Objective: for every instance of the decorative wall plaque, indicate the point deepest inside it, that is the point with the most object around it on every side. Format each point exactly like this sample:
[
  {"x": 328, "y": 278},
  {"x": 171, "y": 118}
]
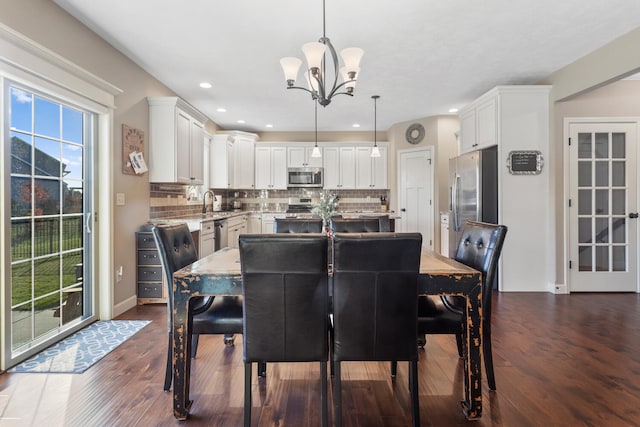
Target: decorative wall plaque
[
  {"x": 525, "y": 162},
  {"x": 414, "y": 133},
  {"x": 132, "y": 142}
]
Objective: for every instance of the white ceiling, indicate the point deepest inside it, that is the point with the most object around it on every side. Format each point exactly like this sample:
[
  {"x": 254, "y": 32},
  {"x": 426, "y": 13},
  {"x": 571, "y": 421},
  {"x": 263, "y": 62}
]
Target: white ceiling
[{"x": 421, "y": 56}]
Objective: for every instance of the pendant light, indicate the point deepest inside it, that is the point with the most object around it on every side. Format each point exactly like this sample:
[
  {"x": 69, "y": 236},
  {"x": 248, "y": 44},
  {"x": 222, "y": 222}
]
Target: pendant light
[
  {"x": 375, "y": 152},
  {"x": 316, "y": 150}
]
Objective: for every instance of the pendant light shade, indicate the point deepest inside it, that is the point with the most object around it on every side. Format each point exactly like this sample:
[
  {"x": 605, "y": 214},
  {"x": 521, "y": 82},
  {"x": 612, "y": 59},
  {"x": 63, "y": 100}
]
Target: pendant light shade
[{"x": 375, "y": 151}]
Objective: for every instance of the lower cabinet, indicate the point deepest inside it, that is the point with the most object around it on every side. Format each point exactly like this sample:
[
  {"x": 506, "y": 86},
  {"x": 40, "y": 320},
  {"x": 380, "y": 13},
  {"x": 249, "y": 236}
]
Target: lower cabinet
[{"x": 150, "y": 280}]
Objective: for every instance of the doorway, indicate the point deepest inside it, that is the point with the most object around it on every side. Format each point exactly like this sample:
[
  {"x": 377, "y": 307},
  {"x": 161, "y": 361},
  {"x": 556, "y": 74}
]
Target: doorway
[
  {"x": 415, "y": 193},
  {"x": 603, "y": 205}
]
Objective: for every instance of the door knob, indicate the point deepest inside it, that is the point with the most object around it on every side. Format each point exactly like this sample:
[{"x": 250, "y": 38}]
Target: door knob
[
  {"x": 403, "y": 210},
  {"x": 633, "y": 215}
]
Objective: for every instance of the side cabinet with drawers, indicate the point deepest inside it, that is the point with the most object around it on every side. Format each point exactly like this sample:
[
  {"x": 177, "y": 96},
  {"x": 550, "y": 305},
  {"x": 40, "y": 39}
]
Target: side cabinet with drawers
[{"x": 150, "y": 280}]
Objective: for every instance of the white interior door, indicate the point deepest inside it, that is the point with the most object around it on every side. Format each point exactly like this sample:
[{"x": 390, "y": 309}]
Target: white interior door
[
  {"x": 603, "y": 211},
  {"x": 415, "y": 178}
]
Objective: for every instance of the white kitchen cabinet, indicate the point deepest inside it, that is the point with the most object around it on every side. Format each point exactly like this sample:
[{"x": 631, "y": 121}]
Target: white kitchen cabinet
[
  {"x": 207, "y": 239},
  {"x": 254, "y": 224},
  {"x": 232, "y": 160},
  {"x": 300, "y": 157},
  {"x": 478, "y": 123},
  {"x": 339, "y": 168},
  {"x": 371, "y": 172},
  {"x": 271, "y": 168},
  {"x": 176, "y": 141},
  {"x": 236, "y": 226},
  {"x": 268, "y": 218}
]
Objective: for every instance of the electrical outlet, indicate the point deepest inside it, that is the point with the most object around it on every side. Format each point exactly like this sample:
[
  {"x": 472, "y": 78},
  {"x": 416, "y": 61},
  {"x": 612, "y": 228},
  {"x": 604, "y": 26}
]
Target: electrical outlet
[
  {"x": 119, "y": 199},
  {"x": 119, "y": 274}
]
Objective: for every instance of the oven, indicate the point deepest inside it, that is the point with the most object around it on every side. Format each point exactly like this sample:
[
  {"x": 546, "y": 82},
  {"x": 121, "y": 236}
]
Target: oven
[{"x": 305, "y": 177}]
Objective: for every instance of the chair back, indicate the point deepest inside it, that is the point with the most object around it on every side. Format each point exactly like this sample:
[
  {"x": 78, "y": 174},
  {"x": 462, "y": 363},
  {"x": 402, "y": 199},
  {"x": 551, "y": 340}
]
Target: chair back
[
  {"x": 384, "y": 222},
  {"x": 285, "y": 297},
  {"x": 361, "y": 225},
  {"x": 177, "y": 250},
  {"x": 480, "y": 247},
  {"x": 375, "y": 279},
  {"x": 297, "y": 225}
]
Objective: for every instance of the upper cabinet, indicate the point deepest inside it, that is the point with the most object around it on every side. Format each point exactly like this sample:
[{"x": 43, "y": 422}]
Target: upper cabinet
[
  {"x": 339, "y": 168},
  {"x": 271, "y": 168},
  {"x": 232, "y": 160},
  {"x": 371, "y": 172},
  {"x": 300, "y": 157},
  {"x": 176, "y": 141},
  {"x": 478, "y": 124}
]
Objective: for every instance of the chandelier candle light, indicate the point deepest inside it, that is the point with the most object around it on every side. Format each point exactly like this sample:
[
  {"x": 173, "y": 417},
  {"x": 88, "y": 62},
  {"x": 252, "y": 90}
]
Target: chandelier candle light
[{"x": 317, "y": 78}]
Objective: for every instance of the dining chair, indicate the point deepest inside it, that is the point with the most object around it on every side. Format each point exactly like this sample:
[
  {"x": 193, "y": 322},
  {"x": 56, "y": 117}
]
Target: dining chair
[
  {"x": 354, "y": 225},
  {"x": 479, "y": 247},
  {"x": 207, "y": 315},
  {"x": 285, "y": 300},
  {"x": 384, "y": 222},
  {"x": 375, "y": 285},
  {"x": 297, "y": 225}
]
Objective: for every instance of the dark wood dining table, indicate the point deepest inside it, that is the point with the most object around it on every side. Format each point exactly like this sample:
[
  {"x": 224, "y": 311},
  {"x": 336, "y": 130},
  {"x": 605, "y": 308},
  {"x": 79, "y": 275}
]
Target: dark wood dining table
[{"x": 219, "y": 274}]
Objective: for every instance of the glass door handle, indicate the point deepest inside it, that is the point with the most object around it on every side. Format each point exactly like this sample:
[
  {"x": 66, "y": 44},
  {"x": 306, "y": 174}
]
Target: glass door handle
[{"x": 633, "y": 215}]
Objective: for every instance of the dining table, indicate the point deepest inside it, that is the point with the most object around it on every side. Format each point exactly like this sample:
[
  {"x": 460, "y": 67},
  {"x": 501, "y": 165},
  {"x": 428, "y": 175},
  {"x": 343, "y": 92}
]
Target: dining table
[{"x": 219, "y": 274}]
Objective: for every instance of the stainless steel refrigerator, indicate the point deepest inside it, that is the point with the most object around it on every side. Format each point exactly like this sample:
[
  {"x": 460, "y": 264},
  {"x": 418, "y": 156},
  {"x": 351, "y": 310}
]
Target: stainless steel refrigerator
[{"x": 473, "y": 191}]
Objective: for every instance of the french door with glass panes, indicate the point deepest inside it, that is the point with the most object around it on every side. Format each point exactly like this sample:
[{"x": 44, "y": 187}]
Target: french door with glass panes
[
  {"x": 603, "y": 207},
  {"x": 49, "y": 202}
]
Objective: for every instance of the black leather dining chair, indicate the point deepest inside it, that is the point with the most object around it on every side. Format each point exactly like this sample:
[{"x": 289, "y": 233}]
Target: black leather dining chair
[
  {"x": 479, "y": 247},
  {"x": 297, "y": 225},
  {"x": 207, "y": 315},
  {"x": 354, "y": 225},
  {"x": 285, "y": 298},
  {"x": 375, "y": 285},
  {"x": 384, "y": 222}
]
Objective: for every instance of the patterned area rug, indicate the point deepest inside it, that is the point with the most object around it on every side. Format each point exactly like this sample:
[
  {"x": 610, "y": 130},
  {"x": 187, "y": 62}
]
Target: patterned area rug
[{"x": 78, "y": 352}]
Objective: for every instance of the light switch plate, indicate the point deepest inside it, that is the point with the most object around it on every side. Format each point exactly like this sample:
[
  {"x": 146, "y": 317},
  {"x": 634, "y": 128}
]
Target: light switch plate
[{"x": 119, "y": 199}]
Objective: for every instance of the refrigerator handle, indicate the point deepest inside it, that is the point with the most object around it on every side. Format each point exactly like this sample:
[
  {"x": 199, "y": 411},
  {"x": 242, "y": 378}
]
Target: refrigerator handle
[{"x": 454, "y": 202}]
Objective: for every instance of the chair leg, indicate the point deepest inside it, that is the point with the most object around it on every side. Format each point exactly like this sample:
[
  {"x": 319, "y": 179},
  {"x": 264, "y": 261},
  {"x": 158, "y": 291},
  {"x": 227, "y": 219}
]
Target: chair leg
[
  {"x": 459, "y": 343},
  {"x": 422, "y": 340},
  {"x": 229, "y": 340},
  {"x": 394, "y": 368},
  {"x": 415, "y": 399},
  {"x": 262, "y": 369},
  {"x": 247, "y": 394},
  {"x": 488, "y": 358},
  {"x": 168, "y": 374},
  {"x": 324, "y": 411},
  {"x": 194, "y": 345},
  {"x": 337, "y": 394}
]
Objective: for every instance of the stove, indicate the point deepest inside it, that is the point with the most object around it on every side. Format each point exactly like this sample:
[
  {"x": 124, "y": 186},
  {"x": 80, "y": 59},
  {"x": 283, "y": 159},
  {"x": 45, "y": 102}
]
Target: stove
[{"x": 299, "y": 205}]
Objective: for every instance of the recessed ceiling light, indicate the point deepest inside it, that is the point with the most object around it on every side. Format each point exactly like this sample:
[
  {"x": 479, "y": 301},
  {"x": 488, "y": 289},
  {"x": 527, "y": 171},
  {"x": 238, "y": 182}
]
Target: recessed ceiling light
[
  {"x": 356, "y": 125},
  {"x": 453, "y": 110},
  {"x": 269, "y": 125},
  {"x": 221, "y": 110},
  {"x": 241, "y": 121},
  {"x": 205, "y": 85}
]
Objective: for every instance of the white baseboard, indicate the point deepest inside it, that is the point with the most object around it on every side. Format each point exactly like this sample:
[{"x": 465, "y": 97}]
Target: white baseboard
[{"x": 125, "y": 305}]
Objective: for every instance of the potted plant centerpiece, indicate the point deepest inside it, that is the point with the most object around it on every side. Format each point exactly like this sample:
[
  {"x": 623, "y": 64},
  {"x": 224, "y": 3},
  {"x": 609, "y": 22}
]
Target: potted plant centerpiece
[{"x": 325, "y": 207}]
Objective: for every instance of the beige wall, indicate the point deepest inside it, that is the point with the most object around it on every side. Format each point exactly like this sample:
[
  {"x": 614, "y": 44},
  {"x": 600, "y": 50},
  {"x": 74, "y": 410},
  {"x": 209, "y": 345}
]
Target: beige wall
[
  {"x": 45, "y": 23},
  {"x": 613, "y": 61}
]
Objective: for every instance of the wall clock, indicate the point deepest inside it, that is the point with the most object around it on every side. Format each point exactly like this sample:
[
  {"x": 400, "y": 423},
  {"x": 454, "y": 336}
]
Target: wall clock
[{"x": 414, "y": 133}]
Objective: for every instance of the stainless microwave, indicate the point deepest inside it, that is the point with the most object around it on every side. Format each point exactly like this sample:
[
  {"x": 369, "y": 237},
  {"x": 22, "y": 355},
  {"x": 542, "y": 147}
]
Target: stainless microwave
[{"x": 305, "y": 177}]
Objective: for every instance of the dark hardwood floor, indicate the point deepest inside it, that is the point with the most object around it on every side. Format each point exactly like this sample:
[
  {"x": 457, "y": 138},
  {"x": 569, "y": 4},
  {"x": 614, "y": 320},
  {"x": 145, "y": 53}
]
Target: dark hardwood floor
[{"x": 567, "y": 360}]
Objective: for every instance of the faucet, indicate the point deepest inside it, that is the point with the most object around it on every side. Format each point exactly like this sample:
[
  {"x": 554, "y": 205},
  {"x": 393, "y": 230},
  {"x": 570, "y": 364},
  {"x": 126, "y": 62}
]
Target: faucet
[{"x": 204, "y": 201}]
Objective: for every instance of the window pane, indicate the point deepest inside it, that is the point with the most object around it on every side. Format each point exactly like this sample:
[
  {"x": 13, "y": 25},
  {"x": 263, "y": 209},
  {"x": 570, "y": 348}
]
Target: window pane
[
  {"x": 618, "y": 230},
  {"x": 584, "y": 174},
  {"x": 584, "y": 145},
  {"x": 47, "y": 197},
  {"x": 602, "y": 230},
  {"x": 20, "y": 196},
  {"x": 618, "y": 149},
  {"x": 619, "y": 258},
  {"x": 584, "y": 258},
  {"x": 46, "y": 275},
  {"x": 602, "y": 174},
  {"x": 584, "y": 230},
  {"x": 20, "y": 283},
  {"x": 71, "y": 161},
  {"x": 46, "y": 236},
  {"x": 618, "y": 204},
  {"x": 44, "y": 320},
  {"x": 20, "y": 239},
  {"x": 47, "y": 121},
  {"x": 602, "y": 258},
  {"x": 584, "y": 202},
  {"x": 21, "y": 318},
  {"x": 71, "y": 233},
  {"x": 618, "y": 174},
  {"x": 71, "y": 125},
  {"x": 21, "y": 153},
  {"x": 602, "y": 146},
  {"x": 47, "y": 157},
  {"x": 71, "y": 269},
  {"x": 21, "y": 103},
  {"x": 602, "y": 202},
  {"x": 72, "y": 202}
]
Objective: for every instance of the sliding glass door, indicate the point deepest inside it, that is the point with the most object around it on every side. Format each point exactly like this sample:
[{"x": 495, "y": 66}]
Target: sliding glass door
[{"x": 50, "y": 205}]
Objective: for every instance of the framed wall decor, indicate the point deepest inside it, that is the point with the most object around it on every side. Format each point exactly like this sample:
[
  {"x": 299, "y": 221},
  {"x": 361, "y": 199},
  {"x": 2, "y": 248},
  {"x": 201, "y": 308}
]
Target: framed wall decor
[
  {"x": 525, "y": 162},
  {"x": 132, "y": 142}
]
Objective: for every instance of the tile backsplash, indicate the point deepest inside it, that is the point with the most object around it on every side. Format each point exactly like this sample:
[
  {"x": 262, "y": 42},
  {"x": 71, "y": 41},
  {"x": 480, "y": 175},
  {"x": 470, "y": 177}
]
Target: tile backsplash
[{"x": 181, "y": 201}]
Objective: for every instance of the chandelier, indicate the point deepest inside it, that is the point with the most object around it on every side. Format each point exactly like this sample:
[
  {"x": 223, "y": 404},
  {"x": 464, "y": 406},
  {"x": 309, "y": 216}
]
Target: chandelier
[{"x": 323, "y": 86}]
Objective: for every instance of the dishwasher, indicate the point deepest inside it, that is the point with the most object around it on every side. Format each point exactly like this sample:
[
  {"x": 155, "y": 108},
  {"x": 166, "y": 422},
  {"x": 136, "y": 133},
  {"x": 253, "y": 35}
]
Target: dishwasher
[{"x": 222, "y": 238}]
